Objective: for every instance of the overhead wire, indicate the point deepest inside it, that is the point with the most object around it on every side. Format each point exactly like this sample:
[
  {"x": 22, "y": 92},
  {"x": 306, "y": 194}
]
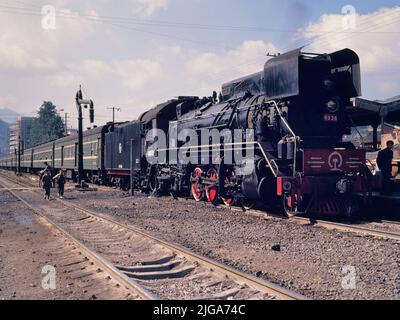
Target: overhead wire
[{"x": 125, "y": 23}]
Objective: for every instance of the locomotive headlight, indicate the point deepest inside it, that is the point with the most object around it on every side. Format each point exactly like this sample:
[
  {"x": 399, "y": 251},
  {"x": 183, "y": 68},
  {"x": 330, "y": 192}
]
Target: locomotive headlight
[{"x": 333, "y": 105}]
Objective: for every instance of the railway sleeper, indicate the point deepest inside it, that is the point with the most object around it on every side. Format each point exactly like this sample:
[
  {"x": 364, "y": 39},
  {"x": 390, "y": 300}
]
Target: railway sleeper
[
  {"x": 151, "y": 268},
  {"x": 77, "y": 267},
  {"x": 224, "y": 295},
  {"x": 161, "y": 275},
  {"x": 159, "y": 261},
  {"x": 82, "y": 274},
  {"x": 69, "y": 263}
]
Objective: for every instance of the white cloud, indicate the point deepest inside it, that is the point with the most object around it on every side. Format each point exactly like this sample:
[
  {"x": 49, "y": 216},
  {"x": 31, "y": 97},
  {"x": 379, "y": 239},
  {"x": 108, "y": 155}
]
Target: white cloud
[
  {"x": 375, "y": 39},
  {"x": 246, "y": 59},
  {"x": 7, "y": 100},
  {"x": 148, "y": 8},
  {"x": 93, "y": 68},
  {"x": 25, "y": 45},
  {"x": 137, "y": 73},
  {"x": 133, "y": 74},
  {"x": 138, "y": 84},
  {"x": 63, "y": 79}
]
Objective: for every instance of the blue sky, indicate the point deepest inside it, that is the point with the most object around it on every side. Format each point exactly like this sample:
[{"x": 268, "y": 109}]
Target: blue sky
[{"x": 136, "y": 53}]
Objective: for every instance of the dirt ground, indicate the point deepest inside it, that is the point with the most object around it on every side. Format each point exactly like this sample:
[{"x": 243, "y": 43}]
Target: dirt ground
[{"x": 27, "y": 245}]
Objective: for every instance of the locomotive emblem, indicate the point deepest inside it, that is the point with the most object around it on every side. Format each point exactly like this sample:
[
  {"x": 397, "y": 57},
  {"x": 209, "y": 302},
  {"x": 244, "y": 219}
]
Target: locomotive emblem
[{"x": 335, "y": 161}]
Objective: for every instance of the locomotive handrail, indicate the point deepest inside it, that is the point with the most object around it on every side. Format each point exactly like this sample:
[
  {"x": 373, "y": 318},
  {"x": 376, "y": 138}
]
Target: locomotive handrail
[{"x": 295, "y": 137}]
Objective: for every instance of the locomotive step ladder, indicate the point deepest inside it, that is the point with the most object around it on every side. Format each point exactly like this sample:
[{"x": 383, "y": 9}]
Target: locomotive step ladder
[{"x": 146, "y": 181}]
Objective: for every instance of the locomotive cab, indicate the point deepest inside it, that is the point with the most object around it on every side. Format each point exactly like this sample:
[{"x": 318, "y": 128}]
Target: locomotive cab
[{"x": 317, "y": 88}]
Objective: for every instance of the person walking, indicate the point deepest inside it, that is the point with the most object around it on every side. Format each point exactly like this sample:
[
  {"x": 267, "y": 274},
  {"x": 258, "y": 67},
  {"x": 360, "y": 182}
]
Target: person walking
[
  {"x": 47, "y": 168},
  {"x": 60, "y": 179},
  {"x": 47, "y": 184},
  {"x": 384, "y": 161}
]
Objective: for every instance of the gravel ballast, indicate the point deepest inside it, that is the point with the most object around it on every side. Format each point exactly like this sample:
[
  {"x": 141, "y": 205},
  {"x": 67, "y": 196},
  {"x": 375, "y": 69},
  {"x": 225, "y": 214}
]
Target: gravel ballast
[{"x": 310, "y": 260}]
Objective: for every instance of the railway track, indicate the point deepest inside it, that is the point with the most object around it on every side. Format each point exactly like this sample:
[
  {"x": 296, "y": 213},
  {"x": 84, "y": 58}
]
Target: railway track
[
  {"x": 153, "y": 267},
  {"x": 83, "y": 260},
  {"x": 359, "y": 227}
]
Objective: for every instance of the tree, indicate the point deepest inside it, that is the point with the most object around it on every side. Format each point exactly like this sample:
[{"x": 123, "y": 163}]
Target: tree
[{"x": 48, "y": 126}]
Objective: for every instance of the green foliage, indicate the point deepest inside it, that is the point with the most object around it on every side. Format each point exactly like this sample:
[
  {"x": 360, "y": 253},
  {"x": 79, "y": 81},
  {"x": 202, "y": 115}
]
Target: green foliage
[{"x": 48, "y": 126}]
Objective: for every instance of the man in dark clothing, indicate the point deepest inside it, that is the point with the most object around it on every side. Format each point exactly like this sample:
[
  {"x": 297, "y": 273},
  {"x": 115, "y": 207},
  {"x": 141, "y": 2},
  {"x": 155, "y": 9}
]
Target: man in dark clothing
[
  {"x": 47, "y": 184},
  {"x": 47, "y": 168},
  {"x": 60, "y": 178},
  {"x": 384, "y": 161}
]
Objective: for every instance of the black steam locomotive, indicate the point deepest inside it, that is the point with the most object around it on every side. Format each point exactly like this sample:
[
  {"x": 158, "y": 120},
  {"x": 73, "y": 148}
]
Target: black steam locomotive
[{"x": 274, "y": 136}]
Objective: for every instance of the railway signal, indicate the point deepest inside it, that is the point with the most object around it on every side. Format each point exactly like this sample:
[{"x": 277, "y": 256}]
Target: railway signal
[
  {"x": 80, "y": 102},
  {"x": 113, "y": 110}
]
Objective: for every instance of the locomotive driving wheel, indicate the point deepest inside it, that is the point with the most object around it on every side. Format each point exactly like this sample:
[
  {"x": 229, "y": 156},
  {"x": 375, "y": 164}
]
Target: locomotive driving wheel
[
  {"x": 227, "y": 176},
  {"x": 291, "y": 205},
  {"x": 197, "y": 186},
  {"x": 247, "y": 204},
  {"x": 212, "y": 189}
]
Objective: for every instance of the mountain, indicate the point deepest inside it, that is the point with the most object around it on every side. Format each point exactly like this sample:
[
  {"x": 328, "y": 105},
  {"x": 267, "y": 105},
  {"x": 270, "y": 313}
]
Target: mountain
[
  {"x": 8, "y": 115},
  {"x": 4, "y": 137}
]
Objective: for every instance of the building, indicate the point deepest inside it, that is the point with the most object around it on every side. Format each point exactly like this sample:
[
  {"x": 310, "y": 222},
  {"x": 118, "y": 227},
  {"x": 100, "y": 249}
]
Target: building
[
  {"x": 4, "y": 137},
  {"x": 376, "y": 115},
  {"x": 20, "y": 130}
]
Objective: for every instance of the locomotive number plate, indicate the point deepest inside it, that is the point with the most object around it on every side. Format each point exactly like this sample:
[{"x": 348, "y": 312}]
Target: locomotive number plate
[{"x": 330, "y": 118}]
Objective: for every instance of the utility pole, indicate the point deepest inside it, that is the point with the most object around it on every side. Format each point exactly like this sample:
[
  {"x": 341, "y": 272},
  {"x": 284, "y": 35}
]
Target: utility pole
[
  {"x": 65, "y": 122},
  {"x": 79, "y": 103},
  {"x": 19, "y": 156},
  {"x": 132, "y": 165},
  {"x": 114, "y": 109},
  {"x": 15, "y": 164}
]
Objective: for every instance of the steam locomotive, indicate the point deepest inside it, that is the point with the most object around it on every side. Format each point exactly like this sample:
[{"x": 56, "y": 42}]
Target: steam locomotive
[{"x": 284, "y": 125}]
